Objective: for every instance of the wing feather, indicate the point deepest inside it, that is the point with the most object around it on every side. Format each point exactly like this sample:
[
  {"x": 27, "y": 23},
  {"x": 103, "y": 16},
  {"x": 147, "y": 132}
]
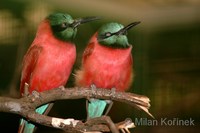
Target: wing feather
[
  {"x": 88, "y": 51},
  {"x": 28, "y": 66}
]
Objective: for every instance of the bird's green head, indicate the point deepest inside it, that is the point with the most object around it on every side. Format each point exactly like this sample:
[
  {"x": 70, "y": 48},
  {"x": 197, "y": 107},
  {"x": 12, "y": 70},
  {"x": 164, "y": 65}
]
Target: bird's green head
[
  {"x": 114, "y": 35},
  {"x": 64, "y": 27}
]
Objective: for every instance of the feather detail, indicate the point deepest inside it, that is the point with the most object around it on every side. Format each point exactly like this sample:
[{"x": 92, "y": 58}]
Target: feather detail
[
  {"x": 26, "y": 127},
  {"x": 96, "y": 108}
]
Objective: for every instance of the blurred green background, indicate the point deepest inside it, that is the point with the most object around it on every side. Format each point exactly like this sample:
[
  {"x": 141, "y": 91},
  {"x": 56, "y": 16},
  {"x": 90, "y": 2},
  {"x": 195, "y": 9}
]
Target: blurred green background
[{"x": 166, "y": 52}]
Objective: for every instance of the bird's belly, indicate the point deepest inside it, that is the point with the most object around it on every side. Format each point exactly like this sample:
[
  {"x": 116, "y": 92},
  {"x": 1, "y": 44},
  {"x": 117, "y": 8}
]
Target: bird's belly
[
  {"x": 51, "y": 72},
  {"x": 109, "y": 77},
  {"x": 110, "y": 80}
]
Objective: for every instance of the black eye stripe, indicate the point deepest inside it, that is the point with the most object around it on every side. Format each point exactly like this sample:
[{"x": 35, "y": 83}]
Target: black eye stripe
[{"x": 60, "y": 27}]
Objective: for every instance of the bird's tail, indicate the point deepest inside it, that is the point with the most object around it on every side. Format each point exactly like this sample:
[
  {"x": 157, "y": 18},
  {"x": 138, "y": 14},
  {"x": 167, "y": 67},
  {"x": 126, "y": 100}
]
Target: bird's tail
[
  {"x": 27, "y": 127},
  {"x": 96, "y": 108}
]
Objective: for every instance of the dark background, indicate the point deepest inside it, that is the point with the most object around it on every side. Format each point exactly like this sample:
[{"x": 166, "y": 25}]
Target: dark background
[{"x": 166, "y": 52}]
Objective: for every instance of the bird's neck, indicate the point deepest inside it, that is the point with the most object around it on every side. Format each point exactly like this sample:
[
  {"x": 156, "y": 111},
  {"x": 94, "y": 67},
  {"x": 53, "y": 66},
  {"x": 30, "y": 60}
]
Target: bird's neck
[
  {"x": 108, "y": 54},
  {"x": 110, "y": 50},
  {"x": 44, "y": 30},
  {"x": 45, "y": 35}
]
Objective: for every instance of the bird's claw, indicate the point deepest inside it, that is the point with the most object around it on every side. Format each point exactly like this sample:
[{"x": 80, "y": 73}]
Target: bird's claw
[
  {"x": 113, "y": 91},
  {"x": 62, "y": 87},
  {"x": 26, "y": 91},
  {"x": 36, "y": 94},
  {"x": 93, "y": 88}
]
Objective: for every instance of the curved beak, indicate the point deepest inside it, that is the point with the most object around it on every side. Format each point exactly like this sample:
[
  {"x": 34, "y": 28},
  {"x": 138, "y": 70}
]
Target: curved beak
[
  {"x": 126, "y": 28},
  {"x": 80, "y": 21}
]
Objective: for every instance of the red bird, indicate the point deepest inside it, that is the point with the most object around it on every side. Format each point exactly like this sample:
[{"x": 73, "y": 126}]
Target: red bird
[
  {"x": 50, "y": 58},
  {"x": 106, "y": 63}
]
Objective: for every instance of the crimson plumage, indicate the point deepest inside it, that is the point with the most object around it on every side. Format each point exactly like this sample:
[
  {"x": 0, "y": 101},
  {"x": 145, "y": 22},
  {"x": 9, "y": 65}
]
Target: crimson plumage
[
  {"x": 48, "y": 62},
  {"x": 106, "y": 63},
  {"x": 105, "y": 67}
]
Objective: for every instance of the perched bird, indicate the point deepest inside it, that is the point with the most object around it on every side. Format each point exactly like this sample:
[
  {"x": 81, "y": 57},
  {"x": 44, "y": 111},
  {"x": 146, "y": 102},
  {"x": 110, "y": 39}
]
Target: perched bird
[
  {"x": 50, "y": 58},
  {"x": 106, "y": 63}
]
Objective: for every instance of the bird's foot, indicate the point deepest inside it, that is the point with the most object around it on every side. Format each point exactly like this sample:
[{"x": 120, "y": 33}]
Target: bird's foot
[
  {"x": 36, "y": 94},
  {"x": 93, "y": 88},
  {"x": 62, "y": 87},
  {"x": 26, "y": 92},
  {"x": 113, "y": 91}
]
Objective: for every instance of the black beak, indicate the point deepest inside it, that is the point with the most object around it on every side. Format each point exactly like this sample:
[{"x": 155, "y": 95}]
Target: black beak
[
  {"x": 80, "y": 21},
  {"x": 126, "y": 28}
]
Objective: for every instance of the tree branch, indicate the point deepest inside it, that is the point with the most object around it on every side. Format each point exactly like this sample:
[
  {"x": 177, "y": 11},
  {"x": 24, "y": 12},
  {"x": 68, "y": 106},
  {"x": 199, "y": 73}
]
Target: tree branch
[{"x": 26, "y": 106}]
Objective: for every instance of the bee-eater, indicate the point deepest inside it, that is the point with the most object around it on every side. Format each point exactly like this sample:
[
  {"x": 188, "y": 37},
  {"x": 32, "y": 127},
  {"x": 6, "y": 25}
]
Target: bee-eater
[
  {"x": 106, "y": 63},
  {"x": 50, "y": 58}
]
